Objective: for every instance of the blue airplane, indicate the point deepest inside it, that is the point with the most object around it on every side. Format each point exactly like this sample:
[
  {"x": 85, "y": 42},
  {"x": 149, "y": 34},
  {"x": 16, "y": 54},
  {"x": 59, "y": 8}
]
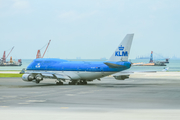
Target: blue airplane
[{"x": 80, "y": 72}]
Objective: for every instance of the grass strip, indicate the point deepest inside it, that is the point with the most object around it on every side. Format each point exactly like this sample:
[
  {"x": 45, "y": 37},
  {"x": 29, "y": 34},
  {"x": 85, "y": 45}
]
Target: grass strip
[{"x": 10, "y": 75}]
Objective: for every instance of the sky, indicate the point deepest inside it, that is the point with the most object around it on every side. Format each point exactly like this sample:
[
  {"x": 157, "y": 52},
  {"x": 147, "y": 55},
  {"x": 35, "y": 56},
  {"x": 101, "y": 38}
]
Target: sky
[{"x": 90, "y": 29}]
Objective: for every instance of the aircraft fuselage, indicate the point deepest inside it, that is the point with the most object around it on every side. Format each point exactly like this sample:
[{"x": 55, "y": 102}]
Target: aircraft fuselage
[{"x": 77, "y": 69}]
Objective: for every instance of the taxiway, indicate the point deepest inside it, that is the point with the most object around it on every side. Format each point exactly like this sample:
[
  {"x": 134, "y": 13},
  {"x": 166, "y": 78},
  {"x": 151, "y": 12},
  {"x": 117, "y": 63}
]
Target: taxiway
[{"x": 143, "y": 92}]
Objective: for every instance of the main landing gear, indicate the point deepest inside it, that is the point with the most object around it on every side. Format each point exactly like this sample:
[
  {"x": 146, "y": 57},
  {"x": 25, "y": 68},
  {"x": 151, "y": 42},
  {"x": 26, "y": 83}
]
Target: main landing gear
[
  {"x": 74, "y": 82},
  {"x": 37, "y": 81},
  {"x": 59, "y": 83},
  {"x": 82, "y": 82}
]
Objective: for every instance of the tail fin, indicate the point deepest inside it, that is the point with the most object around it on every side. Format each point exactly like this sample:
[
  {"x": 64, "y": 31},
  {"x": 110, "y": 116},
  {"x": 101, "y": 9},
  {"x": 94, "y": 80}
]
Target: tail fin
[{"x": 123, "y": 50}]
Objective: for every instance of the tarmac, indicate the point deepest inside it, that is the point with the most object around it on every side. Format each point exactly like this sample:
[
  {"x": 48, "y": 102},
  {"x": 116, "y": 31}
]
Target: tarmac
[{"x": 143, "y": 96}]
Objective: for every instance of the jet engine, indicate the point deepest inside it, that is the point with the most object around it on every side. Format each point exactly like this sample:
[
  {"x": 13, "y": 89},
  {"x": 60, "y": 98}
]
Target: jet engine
[
  {"x": 39, "y": 77},
  {"x": 121, "y": 77},
  {"x": 28, "y": 77}
]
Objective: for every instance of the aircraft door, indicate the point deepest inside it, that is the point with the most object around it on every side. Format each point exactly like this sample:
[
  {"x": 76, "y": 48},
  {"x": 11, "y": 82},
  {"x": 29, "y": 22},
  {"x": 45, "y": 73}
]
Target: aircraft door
[
  {"x": 102, "y": 70},
  {"x": 78, "y": 69},
  {"x": 62, "y": 69}
]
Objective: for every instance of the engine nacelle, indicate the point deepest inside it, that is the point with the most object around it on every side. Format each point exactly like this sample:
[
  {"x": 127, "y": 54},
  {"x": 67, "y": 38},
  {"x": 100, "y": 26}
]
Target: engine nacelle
[
  {"x": 27, "y": 77},
  {"x": 39, "y": 78},
  {"x": 122, "y": 77}
]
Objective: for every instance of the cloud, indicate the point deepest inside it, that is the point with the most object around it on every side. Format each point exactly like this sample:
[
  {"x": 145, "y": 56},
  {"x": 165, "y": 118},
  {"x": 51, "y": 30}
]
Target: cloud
[
  {"x": 161, "y": 5},
  {"x": 20, "y": 4},
  {"x": 73, "y": 15},
  {"x": 10, "y": 8}
]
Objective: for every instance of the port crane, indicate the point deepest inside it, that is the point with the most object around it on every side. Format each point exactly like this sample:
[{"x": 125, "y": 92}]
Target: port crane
[
  {"x": 39, "y": 53},
  {"x": 4, "y": 55}
]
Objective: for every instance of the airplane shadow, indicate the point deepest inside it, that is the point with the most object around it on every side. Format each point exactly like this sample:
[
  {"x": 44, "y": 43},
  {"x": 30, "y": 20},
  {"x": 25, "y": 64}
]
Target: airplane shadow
[
  {"x": 38, "y": 85},
  {"x": 88, "y": 85}
]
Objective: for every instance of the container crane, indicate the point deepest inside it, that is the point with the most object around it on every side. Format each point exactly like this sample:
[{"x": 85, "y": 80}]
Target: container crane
[{"x": 39, "y": 53}]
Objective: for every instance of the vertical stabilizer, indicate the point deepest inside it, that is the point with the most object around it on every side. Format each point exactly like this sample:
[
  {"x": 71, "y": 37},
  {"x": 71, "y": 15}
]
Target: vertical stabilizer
[{"x": 123, "y": 50}]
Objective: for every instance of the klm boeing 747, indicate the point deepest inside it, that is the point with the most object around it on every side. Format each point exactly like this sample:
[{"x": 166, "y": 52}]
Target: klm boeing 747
[{"x": 80, "y": 72}]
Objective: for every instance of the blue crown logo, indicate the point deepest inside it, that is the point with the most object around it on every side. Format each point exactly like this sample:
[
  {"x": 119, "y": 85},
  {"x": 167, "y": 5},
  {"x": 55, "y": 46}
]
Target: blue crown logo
[{"x": 121, "y": 48}]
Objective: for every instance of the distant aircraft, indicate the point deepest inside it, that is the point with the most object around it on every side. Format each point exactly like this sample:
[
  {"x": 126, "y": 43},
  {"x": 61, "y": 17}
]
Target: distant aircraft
[
  {"x": 165, "y": 69},
  {"x": 79, "y": 72}
]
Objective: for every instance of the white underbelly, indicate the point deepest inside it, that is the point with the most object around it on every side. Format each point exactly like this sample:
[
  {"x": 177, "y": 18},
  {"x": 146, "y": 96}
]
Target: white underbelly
[
  {"x": 77, "y": 75},
  {"x": 93, "y": 75}
]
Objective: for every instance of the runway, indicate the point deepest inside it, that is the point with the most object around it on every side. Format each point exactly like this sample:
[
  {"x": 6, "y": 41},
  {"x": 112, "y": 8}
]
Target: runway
[{"x": 158, "y": 93}]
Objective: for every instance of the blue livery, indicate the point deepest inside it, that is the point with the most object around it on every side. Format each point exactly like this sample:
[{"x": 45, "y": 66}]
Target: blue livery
[
  {"x": 80, "y": 72},
  {"x": 53, "y": 64}
]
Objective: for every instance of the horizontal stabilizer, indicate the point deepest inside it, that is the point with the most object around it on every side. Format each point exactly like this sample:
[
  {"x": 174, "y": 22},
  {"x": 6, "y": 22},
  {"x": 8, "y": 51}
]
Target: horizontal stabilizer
[
  {"x": 112, "y": 65},
  {"x": 121, "y": 77}
]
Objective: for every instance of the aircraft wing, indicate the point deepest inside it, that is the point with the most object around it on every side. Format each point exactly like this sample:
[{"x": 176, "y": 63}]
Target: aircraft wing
[
  {"x": 61, "y": 76},
  {"x": 53, "y": 75}
]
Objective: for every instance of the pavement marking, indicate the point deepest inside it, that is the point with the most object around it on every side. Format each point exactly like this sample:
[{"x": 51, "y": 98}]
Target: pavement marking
[
  {"x": 23, "y": 103},
  {"x": 64, "y": 107},
  {"x": 4, "y": 106},
  {"x": 35, "y": 92},
  {"x": 85, "y": 92},
  {"x": 9, "y": 72},
  {"x": 9, "y": 96},
  {"x": 70, "y": 94},
  {"x": 36, "y": 101}
]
